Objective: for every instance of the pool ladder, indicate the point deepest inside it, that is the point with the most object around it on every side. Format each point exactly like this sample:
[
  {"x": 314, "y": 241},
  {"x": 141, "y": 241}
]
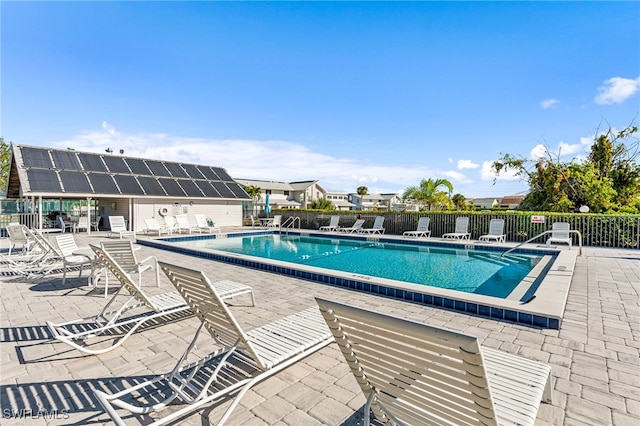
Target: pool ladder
[
  {"x": 572, "y": 231},
  {"x": 290, "y": 222}
]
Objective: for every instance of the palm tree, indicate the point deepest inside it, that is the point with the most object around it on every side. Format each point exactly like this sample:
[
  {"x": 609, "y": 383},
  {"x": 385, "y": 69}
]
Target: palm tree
[
  {"x": 362, "y": 190},
  {"x": 459, "y": 201},
  {"x": 429, "y": 194},
  {"x": 255, "y": 193}
]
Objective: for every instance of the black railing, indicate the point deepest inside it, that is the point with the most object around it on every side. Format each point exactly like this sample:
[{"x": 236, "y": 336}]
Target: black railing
[{"x": 616, "y": 231}]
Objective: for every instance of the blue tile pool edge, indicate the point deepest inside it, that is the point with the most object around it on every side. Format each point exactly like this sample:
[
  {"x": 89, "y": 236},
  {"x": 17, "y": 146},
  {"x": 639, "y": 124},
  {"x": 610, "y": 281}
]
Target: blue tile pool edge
[{"x": 473, "y": 308}]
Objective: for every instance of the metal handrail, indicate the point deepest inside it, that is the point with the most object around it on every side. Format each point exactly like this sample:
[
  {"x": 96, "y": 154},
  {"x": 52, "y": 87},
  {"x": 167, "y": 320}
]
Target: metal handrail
[
  {"x": 572, "y": 231},
  {"x": 290, "y": 222}
]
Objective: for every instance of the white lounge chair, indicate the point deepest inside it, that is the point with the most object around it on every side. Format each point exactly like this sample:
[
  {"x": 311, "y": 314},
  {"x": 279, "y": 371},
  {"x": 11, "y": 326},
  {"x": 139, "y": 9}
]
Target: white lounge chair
[
  {"x": 118, "y": 227},
  {"x": 183, "y": 224},
  {"x": 377, "y": 227},
  {"x": 128, "y": 298},
  {"x": 41, "y": 258},
  {"x": 560, "y": 234},
  {"x": 18, "y": 238},
  {"x": 203, "y": 224},
  {"x": 333, "y": 224},
  {"x": 422, "y": 230},
  {"x": 461, "y": 231},
  {"x": 68, "y": 249},
  {"x": 496, "y": 232},
  {"x": 155, "y": 227},
  {"x": 415, "y": 374},
  {"x": 240, "y": 360},
  {"x": 123, "y": 253},
  {"x": 357, "y": 225},
  {"x": 171, "y": 224}
]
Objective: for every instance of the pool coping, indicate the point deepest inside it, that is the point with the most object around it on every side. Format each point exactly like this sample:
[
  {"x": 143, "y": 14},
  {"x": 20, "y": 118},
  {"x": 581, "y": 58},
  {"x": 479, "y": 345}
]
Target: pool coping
[{"x": 545, "y": 310}]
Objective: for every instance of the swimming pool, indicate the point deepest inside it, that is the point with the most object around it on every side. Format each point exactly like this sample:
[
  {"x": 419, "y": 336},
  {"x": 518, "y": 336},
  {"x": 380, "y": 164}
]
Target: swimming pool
[
  {"x": 538, "y": 299},
  {"x": 460, "y": 269}
]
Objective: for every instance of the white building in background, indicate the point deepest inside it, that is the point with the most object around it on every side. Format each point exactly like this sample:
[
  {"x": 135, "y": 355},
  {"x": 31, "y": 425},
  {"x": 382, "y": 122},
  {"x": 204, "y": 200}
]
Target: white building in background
[
  {"x": 340, "y": 200},
  {"x": 387, "y": 202},
  {"x": 285, "y": 195}
]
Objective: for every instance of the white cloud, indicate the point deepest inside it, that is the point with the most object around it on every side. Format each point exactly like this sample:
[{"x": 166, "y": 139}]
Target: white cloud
[
  {"x": 256, "y": 159},
  {"x": 616, "y": 90},
  {"x": 538, "y": 151},
  {"x": 467, "y": 164},
  {"x": 487, "y": 174},
  {"x": 549, "y": 103}
]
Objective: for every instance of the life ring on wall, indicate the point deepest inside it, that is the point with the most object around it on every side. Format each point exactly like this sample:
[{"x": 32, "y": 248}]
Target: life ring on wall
[{"x": 163, "y": 211}]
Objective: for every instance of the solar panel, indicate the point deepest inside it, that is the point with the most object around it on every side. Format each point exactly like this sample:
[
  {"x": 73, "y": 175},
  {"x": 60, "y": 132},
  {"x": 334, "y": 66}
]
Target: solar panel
[
  {"x": 43, "y": 180},
  {"x": 103, "y": 184},
  {"x": 171, "y": 187},
  {"x": 65, "y": 160},
  {"x": 190, "y": 188},
  {"x": 73, "y": 181},
  {"x": 208, "y": 173},
  {"x": 128, "y": 185},
  {"x": 157, "y": 168},
  {"x": 116, "y": 164},
  {"x": 151, "y": 186},
  {"x": 192, "y": 171},
  {"x": 35, "y": 157},
  {"x": 209, "y": 191},
  {"x": 223, "y": 190},
  {"x": 237, "y": 190},
  {"x": 176, "y": 170},
  {"x": 138, "y": 167},
  {"x": 92, "y": 162},
  {"x": 222, "y": 173}
]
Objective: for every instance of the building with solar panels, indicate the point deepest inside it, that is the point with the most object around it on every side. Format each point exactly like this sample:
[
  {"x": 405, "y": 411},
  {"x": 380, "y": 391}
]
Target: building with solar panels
[{"x": 52, "y": 182}]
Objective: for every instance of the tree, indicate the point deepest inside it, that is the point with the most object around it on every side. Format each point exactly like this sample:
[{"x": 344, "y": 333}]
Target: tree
[
  {"x": 321, "y": 204},
  {"x": 255, "y": 193},
  {"x": 428, "y": 193},
  {"x": 362, "y": 190},
  {"x": 5, "y": 158},
  {"x": 459, "y": 201},
  {"x": 609, "y": 179}
]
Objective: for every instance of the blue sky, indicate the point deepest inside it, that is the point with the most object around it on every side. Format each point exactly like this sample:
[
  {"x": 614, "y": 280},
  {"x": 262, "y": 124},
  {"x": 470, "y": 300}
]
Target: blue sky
[{"x": 380, "y": 94}]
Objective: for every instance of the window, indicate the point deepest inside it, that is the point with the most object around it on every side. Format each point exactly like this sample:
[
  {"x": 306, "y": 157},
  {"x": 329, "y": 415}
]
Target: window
[{"x": 286, "y": 193}]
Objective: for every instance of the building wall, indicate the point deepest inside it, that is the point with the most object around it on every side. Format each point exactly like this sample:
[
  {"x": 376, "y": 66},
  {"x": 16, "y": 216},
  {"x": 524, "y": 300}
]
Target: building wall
[{"x": 223, "y": 213}]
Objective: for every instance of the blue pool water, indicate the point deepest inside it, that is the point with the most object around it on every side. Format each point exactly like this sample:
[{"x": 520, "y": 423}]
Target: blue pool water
[{"x": 471, "y": 271}]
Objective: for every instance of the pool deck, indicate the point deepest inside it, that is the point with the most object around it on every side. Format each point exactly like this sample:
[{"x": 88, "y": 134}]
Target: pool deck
[{"x": 595, "y": 355}]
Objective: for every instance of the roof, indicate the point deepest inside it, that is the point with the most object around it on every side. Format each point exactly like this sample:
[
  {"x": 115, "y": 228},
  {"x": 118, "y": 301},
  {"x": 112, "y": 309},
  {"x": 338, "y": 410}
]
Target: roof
[{"x": 38, "y": 171}]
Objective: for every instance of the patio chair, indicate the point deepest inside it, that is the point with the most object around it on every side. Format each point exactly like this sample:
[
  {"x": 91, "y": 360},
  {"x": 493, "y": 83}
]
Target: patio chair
[
  {"x": 171, "y": 224},
  {"x": 240, "y": 360},
  {"x": 153, "y": 226},
  {"x": 422, "y": 230},
  {"x": 276, "y": 222},
  {"x": 68, "y": 248},
  {"x": 496, "y": 232},
  {"x": 18, "y": 237},
  {"x": 123, "y": 253},
  {"x": 560, "y": 234},
  {"x": 129, "y": 298},
  {"x": 203, "y": 224},
  {"x": 333, "y": 224},
  {"x": 42, "y": 257},
  {"x": 64, "y": 225},
  {"x": 82, "y": 223},
  {"x": 412, "y": 373},
  {"x": 183, "y": 224},
  {"x": 357, "y": 225},
  {"x": 461, "y": 231},
  {"x": 377, "y": 227},
  {"x": 119, "y": 227}
]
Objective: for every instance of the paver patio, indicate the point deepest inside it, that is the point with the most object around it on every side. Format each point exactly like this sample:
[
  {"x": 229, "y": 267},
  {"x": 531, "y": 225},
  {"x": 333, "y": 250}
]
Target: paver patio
[{"x": 595, "y": 355}]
